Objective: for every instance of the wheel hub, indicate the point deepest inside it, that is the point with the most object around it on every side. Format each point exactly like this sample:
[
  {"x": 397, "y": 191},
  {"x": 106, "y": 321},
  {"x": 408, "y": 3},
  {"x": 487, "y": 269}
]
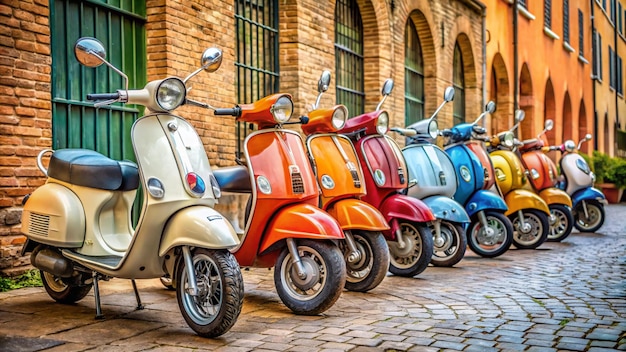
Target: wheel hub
[{"x": 311, "y": 274}]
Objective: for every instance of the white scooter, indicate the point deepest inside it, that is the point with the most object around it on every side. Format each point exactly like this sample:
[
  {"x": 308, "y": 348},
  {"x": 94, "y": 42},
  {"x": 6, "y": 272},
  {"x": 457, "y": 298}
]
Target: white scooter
[{"x": 78, "y": 223}]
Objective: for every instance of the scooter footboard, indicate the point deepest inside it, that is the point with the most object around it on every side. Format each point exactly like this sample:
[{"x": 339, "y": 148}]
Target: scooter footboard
[
  {"x": 555, "y": 196},
  {"x": 522, "y": 199},
  {"x": 447, "y": 209},
  {"x": 484, "y": 200},
  {"x": 356, "y": 214},
  {"x": 301, "y": 221},
  {"x": 198, "y": 226},
  {"x": 589, "y": 193}
]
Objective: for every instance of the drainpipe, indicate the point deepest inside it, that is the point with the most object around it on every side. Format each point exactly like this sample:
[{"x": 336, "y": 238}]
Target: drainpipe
[
  {"x": 516, "y": 62},
  {"x": 615, "y": 125},
  {"x": 593, "y": 81},
  {"x": 483, "y": 39}
]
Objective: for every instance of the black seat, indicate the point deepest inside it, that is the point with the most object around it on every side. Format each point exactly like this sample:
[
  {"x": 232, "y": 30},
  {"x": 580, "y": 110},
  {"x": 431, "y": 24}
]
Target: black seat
[
  {"x": 233, "y": 179},
  {"x": 88, "y": 168}
]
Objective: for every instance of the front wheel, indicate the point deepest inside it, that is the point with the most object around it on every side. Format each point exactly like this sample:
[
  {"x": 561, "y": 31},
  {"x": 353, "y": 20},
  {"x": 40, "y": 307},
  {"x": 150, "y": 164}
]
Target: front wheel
[
  {"x": 370, "y": 268},
  {"x": 412, "y": 256},
  {"x": 323, "y": 280},
  {"x": 534, "y": 232},
  {"x": 492, "y": 240},
  {"x": 214, "y": 310},
  {"x": 449, "y": 249},
  {"x": 594, "y": 219},
  {"x": 561, "y": 222},
  {"x": 63, "y": 291}
]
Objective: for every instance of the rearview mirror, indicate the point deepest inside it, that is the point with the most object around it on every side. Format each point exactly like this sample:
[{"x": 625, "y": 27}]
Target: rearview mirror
[
  {"x": 519, "y": 115},
  {"x": 89, "y": 52},
  {"x": 448, "y": 94},
  {"x": 387, "y": 87},
  {"x": 549, "y": 125},
  {"x": 491, "y": 107},
  {"x": 322, "y": 84},
  {"x": 211, "y": 59}
]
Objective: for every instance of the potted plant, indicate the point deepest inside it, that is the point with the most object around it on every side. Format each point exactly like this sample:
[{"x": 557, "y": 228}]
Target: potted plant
[{"x": 610, "y": 176}]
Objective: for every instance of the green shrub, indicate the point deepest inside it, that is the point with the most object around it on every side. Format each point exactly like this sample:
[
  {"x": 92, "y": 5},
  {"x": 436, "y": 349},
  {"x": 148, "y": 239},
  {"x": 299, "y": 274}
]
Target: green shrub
[
  {"x": 617, "y": 173},
  {"x": 601, "y": 165},
  {"x": 28, "y": 279}
]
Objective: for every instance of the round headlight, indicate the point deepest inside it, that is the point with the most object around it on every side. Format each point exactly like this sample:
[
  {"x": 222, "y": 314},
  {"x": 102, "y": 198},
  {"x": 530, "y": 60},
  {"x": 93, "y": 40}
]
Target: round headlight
[
  {"x": 507, "y": 139},
  {"x": 570, "y": 146},
  {"x": 433, "y": 128},
  {"x": 339, "y": 117},
  {"x": 382, "y": 123},
  {"x": 171, "y": 93},
  {"x": 282, "y": 109}
]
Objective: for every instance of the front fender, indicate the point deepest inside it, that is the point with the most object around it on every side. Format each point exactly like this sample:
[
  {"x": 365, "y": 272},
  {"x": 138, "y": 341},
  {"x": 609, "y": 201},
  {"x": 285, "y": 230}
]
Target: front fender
[
  {"x": 587, "y": 194},
  {"x": 399, "y": 206},
  {"x": 446, "y": 209},
  {"x": 522, "y": 199},
  {"x": 484, "y": 200},
  {"x": 555, "y": 196},
  {"x": 301, "y": 221},
  {"x": 198, "y": 226},
  {"x": 356, "y": 214}
]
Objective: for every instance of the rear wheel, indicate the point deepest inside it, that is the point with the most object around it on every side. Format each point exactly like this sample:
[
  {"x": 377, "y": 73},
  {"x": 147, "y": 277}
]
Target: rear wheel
[
  {"x": 535, "y": 230},
  {"x": 413, "y": 256},
  {"x": 561, "y": 222},
  {"x": 450, "y": 248},
  {"x": 215, "y": 308},
  {"x": 323, "y": 280},
  {"x": 61, "y": 290},
  {"x": 594, "y": 219},
  {"x": 494, "y": 239},
  {"x": 369, "y": 270}
]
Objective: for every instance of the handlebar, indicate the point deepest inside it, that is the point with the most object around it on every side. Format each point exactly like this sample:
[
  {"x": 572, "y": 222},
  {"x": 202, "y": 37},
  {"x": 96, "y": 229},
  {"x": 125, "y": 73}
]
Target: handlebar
[
  {"x": 445, "y": 133},
  {"x": 103, "y": 96},
  {"x": 236, "y": 111},
  {"x": 408, "y": 132}
]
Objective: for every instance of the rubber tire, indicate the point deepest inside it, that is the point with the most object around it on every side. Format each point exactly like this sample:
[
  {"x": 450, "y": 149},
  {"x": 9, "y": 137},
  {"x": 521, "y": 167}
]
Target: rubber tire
[
  {"x": 231, "y": 291},
  {"x": 375, "y": 256},
  {"x": 566, "y": 213},
  {"x": 63, "y": 292},
  {"x": 332, "y": 284},
  {"x": 425, "y": 239},
  {"x": 505, "y": 245},
  {"x": 539, "y": 239},
  {"x": 579, "y": 210},
  {"x": 459, "y": 240}
]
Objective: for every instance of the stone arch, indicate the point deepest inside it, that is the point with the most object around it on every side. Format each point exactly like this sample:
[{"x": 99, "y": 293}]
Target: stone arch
[
  {"x": 526, "y": 102},
  {"x": 499, "y": 93},
  {"x": 470, "y": 79},
  {"x": 549, "y": 112}
]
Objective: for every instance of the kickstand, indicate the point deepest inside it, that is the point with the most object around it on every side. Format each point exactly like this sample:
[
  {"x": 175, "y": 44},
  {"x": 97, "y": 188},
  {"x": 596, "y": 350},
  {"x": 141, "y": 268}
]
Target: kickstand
[
  {"x": 139, "y": 305},
  {"x": 96, "y": 294}
]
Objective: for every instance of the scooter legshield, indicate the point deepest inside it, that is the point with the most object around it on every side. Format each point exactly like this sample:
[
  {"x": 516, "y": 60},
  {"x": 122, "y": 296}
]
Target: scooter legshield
[
  {"x": 301, "y": 221},
  {"x": 447, "y": 209},
  {"x": 555, "y": 196},
  {"x": 356, "y": 214},
  {"x": 198, "y": 226},
  {"x": 522, "y": 199},
  {"x": 485, "y": 200},
  {"x": 590, "y": 193}
]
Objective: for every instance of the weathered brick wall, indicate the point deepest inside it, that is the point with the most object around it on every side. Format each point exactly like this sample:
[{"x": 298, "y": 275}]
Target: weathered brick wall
[{"x": 25, "y": 127}]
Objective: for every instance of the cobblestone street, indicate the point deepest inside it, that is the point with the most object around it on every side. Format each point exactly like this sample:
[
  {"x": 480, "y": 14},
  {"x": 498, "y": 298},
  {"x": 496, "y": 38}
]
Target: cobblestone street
[{"x": 568, "y": 296}]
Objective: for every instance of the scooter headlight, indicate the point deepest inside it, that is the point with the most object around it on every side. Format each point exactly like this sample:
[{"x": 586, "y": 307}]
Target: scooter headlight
[
  {"x": 170, "y": 93},
  {"x": 570, "y": 146},
  {"x": 282, "y": 109},
  {"x": 339, "y": 117},
  {"x": 508, "y": 139},
  {"x": 382, "y": 123},
  {"x": 433, "y": 128}
]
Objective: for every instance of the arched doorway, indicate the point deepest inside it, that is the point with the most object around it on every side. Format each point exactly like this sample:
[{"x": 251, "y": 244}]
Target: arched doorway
[
  {"x": 568, "y": 122},
  {"x": 549, "y": 112},
  {"x": 582, "y": 127},
  {"x": 526, "y": 101},
  {"x": 499, "y": 93}
]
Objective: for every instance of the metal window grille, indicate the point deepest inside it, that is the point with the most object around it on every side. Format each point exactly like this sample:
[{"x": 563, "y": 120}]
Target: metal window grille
[
  {"x": 458, "y": 75},
  {"x": 413, "y": 76},
  {"x": 566, "y": 21},
  {"x": 547, "y": 13},
  {"x": 581, "y": 34},
  {"x": 257, "y": 60},
  {"x": 349, "y": 56}
]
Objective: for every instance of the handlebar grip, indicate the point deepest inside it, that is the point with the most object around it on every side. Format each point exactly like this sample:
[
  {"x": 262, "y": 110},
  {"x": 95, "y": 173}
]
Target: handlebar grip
[
  {"x": 103, "y": 96},
  {"x": 227, "y": 112},
  {"x": 445, "y": 133}
]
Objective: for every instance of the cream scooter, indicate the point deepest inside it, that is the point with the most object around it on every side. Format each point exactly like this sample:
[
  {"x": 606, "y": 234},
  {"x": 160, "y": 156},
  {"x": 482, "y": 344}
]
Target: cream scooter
[{"x": 78, "y": 223}]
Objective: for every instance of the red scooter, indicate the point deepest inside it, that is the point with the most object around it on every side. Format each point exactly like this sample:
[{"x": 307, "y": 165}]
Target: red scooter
[{"x": 409, "y": 238}]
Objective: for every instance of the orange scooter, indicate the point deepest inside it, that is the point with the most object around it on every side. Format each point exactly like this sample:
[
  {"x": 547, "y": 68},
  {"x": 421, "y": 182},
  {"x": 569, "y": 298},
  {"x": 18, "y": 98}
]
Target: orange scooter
[
  {"x": 340, "y": 177},
  {"x": 284, "y": 227}
]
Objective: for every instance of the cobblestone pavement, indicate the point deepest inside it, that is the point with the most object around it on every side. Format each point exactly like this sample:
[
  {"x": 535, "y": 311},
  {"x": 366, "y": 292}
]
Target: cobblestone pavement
[{"x": 568, "y": 296}]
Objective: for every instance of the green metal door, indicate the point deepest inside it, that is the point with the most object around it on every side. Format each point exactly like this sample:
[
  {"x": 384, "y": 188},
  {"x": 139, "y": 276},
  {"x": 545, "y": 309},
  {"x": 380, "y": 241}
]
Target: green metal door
[{"x": 120, "y": 26}]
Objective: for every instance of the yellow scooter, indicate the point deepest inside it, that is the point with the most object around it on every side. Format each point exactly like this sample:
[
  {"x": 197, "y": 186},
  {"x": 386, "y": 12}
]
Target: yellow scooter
[{"x": 528, "y": 212}]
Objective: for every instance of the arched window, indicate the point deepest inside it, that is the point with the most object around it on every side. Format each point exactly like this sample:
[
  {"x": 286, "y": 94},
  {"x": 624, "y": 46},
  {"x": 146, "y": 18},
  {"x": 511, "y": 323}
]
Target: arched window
[
  {"x": 413, "y": 76},
  {"x": 458, "y": 80},
  {"x": 349, "y": 56}
]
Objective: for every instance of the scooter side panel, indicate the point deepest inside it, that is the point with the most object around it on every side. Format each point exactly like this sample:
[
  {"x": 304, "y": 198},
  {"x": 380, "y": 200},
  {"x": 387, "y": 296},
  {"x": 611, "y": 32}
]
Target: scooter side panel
[
  {"x": 355, "y": 214},
  {"x": 469, "y": 169},
  {"x": 399, "y": 206},
  {"x": 300, "y": 221},
  {"x": 54, "y": 215},
  {"x": 541, "y": 174},
  {"x": 590, "y": 193},
  {"x": 431, "y": 169},
  {"x": 576, "y": 171},
  {"x": 447, "y": 209},
  {"x": 384, "y": 161},
  {"x": 479, "y": 150},
  {"x": 519, "y": 199},
  {"x": 555, "y": 196},
  {"x": 198, "y": 226},
  {"x": 509, "y": 170},
  {"x": 484, "y": 200}
]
